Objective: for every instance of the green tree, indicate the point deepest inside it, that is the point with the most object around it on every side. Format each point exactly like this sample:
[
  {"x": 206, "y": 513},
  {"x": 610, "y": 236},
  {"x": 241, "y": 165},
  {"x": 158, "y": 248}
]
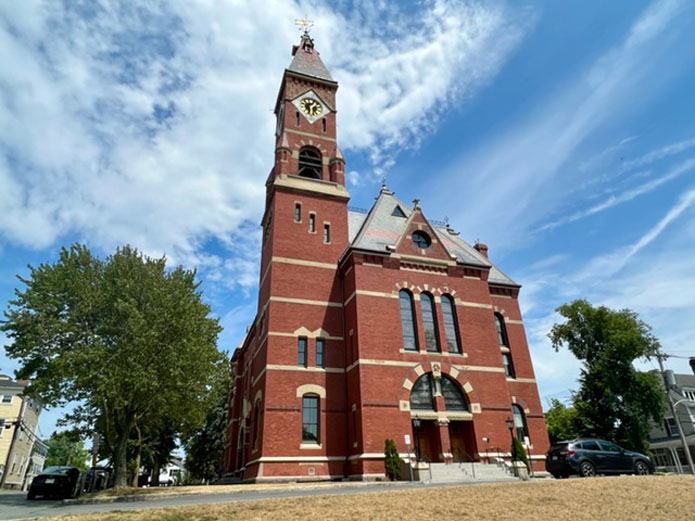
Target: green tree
[
  {"x": 205, "y": 447},
  {"x": 614, "y": 400},
  {"x": 125, "y": 338},
  {"x": 561, "y": 421},
  {"x": 392, "y": 462},
  {"x": 66, "y": 448}
]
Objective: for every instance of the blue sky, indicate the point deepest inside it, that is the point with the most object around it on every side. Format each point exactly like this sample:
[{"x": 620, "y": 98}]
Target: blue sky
[{"x": 562, "y": 134}]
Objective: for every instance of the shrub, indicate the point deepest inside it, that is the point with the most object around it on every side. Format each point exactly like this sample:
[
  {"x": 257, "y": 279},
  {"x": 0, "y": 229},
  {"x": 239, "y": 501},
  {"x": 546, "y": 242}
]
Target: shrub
[
  {"x": 392, "y": 462},
  {"x": 519, "y": 453}
]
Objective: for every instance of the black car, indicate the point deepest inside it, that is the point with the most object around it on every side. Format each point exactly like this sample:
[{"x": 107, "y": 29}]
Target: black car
[
  {"x": 590, "y": 456},
  {"x": 60, "y": 482}
]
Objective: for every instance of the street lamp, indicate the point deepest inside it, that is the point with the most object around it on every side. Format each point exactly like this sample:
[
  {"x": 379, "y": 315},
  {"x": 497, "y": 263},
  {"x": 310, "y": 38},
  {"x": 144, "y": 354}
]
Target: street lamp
[
  {"x": 416, "y": 426},
  {"x": 510, "y": 426}
]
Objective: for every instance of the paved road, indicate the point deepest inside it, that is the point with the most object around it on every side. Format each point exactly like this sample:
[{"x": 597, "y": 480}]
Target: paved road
[{"x": 15, "y": 505}]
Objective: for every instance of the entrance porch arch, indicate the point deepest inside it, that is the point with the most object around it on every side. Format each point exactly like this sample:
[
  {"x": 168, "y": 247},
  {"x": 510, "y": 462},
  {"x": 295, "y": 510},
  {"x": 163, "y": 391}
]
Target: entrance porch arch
[{"x": 441, "y": 404}]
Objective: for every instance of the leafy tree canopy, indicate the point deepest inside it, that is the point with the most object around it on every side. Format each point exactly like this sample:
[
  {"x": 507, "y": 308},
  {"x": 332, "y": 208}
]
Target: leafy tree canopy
[
  {"x": 614, "y": 400},
  {"x": 125, "y": 338},
  {"x": 66, "y": 448},
  {"x": 205, "y": 447},
  {"x": 560, "y": 420}
]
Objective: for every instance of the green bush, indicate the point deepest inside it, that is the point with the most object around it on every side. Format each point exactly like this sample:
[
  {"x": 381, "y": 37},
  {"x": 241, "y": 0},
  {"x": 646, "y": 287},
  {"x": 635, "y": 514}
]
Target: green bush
[
  {"x": 519, "y": 453},
  {"x": 392, "y": 462}
]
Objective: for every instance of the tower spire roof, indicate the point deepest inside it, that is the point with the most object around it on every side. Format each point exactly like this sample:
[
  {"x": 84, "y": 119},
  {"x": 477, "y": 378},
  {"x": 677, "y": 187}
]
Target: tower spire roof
[{"x": 307, "y": 60}]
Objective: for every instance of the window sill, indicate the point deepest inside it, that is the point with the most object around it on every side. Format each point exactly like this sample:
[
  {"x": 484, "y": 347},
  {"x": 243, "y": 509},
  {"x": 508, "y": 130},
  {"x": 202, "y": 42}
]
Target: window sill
[
  {"x": 431, "y": 353},
  {"x": 505, "y": 349},
  {"x": 310, "y": 446}
]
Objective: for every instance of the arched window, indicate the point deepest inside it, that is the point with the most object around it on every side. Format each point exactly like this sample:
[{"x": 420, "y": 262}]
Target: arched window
[
  {"x": 310, "y": 418},
  {"x": 451, "y": 331},
  {"x": 520, "y": 422},
  {"x": 454, "y": 399},
  {"x": 429, "y": 322},
  {"x": 501, "y": 330},
  {"x": 421, "y": 395},
  {"x": 257, "y": 425},
  {"x": 310, "y": 163},
  {"x": 405, "y": 299}
]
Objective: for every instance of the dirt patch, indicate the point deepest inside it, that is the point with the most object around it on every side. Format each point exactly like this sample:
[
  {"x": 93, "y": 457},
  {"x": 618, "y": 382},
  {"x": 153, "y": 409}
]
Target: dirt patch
[{"x": 609, "y": 498}]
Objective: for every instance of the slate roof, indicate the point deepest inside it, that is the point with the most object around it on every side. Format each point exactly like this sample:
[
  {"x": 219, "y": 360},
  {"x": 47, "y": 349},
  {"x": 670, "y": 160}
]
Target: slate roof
[
  {"x": 307, "y": 60},
  {"x": 378, "y": 229}
]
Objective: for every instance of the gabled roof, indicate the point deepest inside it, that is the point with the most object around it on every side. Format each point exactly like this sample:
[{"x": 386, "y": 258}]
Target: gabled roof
[
  {"x": 307, "y": 60},
  {"x": 379, "y": 230}
]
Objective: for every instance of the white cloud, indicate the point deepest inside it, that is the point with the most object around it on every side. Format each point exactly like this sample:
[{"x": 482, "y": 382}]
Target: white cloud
[
  {"x": 627, "y": 195},
  {"x": 150, "y": 123},
  {"x": 523, "y": 170},
  {"x": 656, "y": 281},
  {"x": 610, "y": 263}
]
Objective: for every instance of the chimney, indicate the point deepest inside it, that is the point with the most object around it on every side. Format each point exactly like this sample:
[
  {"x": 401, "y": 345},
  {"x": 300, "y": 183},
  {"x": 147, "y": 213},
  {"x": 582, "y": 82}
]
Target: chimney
[{"x": 482, "y": 248}]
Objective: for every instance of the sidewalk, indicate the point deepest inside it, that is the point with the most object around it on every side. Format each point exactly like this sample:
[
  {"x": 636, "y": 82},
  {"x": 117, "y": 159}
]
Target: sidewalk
[{"x": 240, "y": 489}]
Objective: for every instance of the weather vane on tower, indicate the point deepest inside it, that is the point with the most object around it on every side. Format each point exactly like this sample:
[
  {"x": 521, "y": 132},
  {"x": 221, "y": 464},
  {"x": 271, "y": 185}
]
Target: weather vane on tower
[{"x": 304, "y": 24}]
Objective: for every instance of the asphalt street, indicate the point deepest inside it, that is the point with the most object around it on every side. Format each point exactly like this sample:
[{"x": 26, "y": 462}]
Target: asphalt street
[{"x": 14, "y": 505}]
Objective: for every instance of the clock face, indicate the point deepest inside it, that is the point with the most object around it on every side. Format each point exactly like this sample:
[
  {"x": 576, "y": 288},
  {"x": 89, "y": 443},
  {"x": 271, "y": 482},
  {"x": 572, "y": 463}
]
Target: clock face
[{"x": 310, "y": 107}]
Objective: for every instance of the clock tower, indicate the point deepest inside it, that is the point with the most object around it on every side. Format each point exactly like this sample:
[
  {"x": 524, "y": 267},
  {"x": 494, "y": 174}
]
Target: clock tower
[{"x": 298, "y": 332}]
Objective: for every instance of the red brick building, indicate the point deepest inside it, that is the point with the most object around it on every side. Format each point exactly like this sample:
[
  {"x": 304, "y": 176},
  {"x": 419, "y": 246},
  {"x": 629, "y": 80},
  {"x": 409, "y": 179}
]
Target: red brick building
[{"x": 369, "y": 325}]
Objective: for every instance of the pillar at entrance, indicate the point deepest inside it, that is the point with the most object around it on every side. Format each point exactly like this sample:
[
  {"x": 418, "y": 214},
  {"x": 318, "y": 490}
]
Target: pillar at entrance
[{"x": 445, "y": 441}]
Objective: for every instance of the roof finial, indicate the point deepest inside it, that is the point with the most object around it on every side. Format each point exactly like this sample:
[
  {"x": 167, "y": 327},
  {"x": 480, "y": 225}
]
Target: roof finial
[
  {"x": 382, "y": 177},
  {"x": 304, "y": 24},
  {"x": 416, "y": 204}
]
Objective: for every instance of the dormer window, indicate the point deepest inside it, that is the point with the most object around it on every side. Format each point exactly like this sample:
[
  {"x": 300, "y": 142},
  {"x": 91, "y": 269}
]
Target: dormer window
[{"x": 310, "y": 163}]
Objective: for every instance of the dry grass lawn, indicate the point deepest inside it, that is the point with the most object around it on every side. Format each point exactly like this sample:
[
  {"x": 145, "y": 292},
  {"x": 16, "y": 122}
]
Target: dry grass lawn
[
  {"x": 197, "y": 489},
  {"x": 608, "y": 498}
]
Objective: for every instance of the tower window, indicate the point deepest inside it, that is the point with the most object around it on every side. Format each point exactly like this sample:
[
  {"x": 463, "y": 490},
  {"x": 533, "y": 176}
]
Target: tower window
[
  {"x": 326, "y": 233},
  {"x": 312, "y": 223},
  {"x": 520, "y": 422},
  {"x": 298, "y": 212},
  {"x": 508, "y": 365},
  {"x": 301, "y": 351},
  {"x": 310, "y": 418},
  {"x": 296, "y": 119},
  {"x": 257, "y": 425},
  {"x": 310, "y": 163},
  {"x": 319, "y": 352},
  {"x": 323, "y": 125},
  {"x": 501, "y": 330}
]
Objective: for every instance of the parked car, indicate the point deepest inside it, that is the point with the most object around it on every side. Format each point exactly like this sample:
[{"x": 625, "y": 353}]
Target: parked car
[
  {"x": 97, "y": 479},
  {"x": 590, "y": 456},
  {"x": 61, "y": 482}
]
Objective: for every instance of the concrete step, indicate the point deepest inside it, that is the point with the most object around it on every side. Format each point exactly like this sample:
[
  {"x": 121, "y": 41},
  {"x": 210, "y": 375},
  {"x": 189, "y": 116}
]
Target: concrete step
[{"x": 465, "y": 472}]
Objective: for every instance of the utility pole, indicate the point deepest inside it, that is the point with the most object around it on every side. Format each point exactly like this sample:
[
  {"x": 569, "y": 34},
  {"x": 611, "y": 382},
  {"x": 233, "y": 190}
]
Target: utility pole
[{"x": 660, "y": 357}]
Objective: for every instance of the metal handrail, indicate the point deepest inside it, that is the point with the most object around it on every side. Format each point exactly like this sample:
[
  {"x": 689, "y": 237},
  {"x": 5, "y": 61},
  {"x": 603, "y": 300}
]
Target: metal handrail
[
  {"x": 470, "y": 459},
  {"x": 429, "y": 466}
]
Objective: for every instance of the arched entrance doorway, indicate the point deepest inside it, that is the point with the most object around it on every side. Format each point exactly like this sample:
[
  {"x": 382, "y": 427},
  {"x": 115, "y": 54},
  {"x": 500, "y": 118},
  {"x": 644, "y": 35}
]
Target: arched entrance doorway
[{"x": 441, "y": 419}]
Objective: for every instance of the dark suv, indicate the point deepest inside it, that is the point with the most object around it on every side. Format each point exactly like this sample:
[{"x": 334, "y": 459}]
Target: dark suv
[{"x": 591, "y": 456}]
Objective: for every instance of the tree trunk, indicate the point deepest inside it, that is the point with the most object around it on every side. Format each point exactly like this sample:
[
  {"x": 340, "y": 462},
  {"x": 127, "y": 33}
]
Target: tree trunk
[
  {"x": 154, "y": 480},
  {"x": 120, "y": 460},
  {"x": 136, "y": 472}
]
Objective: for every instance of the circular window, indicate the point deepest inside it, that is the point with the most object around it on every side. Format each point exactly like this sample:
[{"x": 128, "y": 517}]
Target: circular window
[{"x": 421, "y": 239}]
